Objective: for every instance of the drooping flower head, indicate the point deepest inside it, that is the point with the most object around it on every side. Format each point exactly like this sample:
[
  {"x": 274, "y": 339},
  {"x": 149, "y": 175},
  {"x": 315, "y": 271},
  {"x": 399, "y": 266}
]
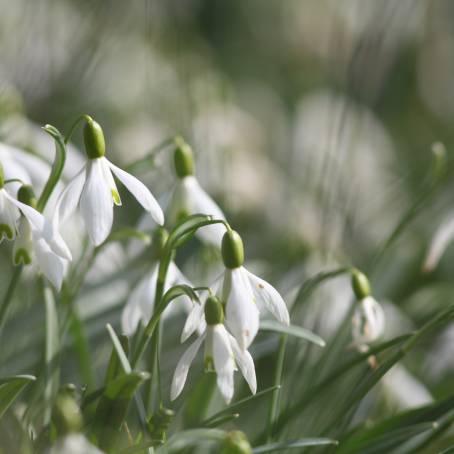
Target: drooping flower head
[
  {"x": 8, "y": 212},
  {"x": 222, "y": 354},
  {"x": 94, "y": 189},
  {"x": 368, "y": 320},
  {"x": 243, "y": 295},
  {"x": 188, "y": 197},
  {"x": 37, "y": 242}
]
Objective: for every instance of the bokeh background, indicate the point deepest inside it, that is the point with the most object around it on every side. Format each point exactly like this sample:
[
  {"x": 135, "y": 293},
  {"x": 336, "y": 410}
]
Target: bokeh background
[{"x": 313, "y": 123}]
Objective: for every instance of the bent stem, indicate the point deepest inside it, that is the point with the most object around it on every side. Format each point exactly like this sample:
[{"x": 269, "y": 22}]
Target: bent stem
[
  {"x": 274, "y": 404},
  {"x": 9, "y": 294},
  {"x": 57, "y": 166}
]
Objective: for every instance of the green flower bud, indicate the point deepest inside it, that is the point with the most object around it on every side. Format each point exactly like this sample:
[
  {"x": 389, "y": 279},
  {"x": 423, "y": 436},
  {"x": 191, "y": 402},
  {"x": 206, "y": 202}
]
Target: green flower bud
[
  {"x": 236, "y": 442},
  {"x": 158, "y": 242},
  {"x": 183, "y": 159},
  {"x": 232, "y": 250},
  {"x": 360, "y": 284},
  {"x": 2, "y": 177},
  {"x": 214, "y": 313},
  {"x": 27, "y": 195},
  {"x": 66, "y": 414},
  {"x": 95, "y": 145}
]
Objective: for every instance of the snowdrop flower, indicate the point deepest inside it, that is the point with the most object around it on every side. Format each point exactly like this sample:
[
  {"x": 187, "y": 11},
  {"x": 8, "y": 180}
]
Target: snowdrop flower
[
  {"x": 36, "y": 240},
  {"x": 9, "y": 213},
  {"x": 368, "y": 321},
  {"x": 188, "y": 197},
  {"x": 95, "y": 191},
  {"x": 243, "y": 294},
  {"x": 140, "y": 304},
  {"x": 222, "y": 353}
]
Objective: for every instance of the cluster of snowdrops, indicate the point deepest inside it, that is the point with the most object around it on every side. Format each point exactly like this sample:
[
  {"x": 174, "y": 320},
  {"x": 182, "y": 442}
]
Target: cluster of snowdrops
[{"x": 223, "y": 315}]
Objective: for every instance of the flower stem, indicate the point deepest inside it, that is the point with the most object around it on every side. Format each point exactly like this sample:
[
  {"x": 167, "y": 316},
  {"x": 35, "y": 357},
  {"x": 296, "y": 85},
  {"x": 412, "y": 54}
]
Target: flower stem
[
  {"x": 9, "y": 294},
  {"x": 274, "y": 404},
  {"x": 57, "y": 166}
]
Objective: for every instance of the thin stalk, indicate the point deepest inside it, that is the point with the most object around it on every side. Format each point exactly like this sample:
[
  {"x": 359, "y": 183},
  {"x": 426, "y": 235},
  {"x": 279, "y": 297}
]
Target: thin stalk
[
  {"x": 73, "y": 127},
  {"x": 274, "y": 404},
  {"x": 9, "y": 294}
]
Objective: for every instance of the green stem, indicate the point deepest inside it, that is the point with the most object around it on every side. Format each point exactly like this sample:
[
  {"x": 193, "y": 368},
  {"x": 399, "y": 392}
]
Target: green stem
[
  {"x": 272, "y": 415},
  {"x": 74, "y": 125},
  {"x": 57, "y": 167},
  {"x": 150, "y": 155},
  {"x": 9, "y": 294}
]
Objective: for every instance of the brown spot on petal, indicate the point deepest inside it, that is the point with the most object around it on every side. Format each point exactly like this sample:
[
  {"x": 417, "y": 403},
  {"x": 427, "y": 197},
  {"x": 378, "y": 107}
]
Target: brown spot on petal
[{"x": 260, "y": 286}]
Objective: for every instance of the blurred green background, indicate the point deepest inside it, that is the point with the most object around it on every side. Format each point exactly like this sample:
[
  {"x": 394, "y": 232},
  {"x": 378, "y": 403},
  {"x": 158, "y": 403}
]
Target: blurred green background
[{"x": 312, "y": 122}]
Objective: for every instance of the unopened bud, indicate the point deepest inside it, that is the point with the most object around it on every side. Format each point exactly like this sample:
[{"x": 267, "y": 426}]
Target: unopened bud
[
  {"x": 214, "y": 313},
  {"x": 66, "y": 414},
  {"x": 183, "y": 159},
  {"x": 95, "y": 145},
  {"x": 232, "y": 249},
  {"x": 236, "y": 442},
  {"x": 27, "y": 195},
  {"x": 360, "y": 284}
]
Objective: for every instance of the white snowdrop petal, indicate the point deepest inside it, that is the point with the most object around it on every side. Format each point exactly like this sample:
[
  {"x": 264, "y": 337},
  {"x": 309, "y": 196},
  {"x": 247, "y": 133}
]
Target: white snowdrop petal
[
  {"x": 36, "y": 219},
  {"x": 140, "y": 192},
  {"x": 182, "y": 369},
  {"x": 246, "y": 364},
  {"x": 200, "y": 202},
  {"x": 193, "y": 321},
  {"x": 440, "y": 241},
  {"x": 131, "y": 316},
  {"x": 69, "y": 198},
  {"x": 242, "y": 314},
  {"x": 9, "y": 215},
  {"x": 265, "y": 293},
  {"x": 223, "y": 361},
  {"x": 96, "y": 204},
  {"x": 51, "y": 265}
]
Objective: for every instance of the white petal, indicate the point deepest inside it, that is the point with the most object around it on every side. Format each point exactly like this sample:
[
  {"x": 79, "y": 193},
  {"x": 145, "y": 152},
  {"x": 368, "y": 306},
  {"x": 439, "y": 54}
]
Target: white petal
[
  {"x": 146, "y": 294},
  {"x": 182, "y": 303},
  {"x": 51, "y": 265},
  {"x": 246, "y": 364},
  {"x": 36, "y": 219},
  {"x": 368, "y": 321},
  {"x": 130, "y": 316},
  {"x": 140, "y": 192},
  {"x": 223, "y": 361},
  {"x": 69, "y": 198},
  {"x": 194, "y": 320},
  {"x": 110, "y": 181},
  {"x": 96, "y": 204},
  {"x": 200, "y": 202},
  {"x": 266, "y": 294},
  {"x": 182, "y": 369},
  {"x": 442, "y": 237},
  {"x": 9, "y": 214},
  {"x": 242, "y": 314}
]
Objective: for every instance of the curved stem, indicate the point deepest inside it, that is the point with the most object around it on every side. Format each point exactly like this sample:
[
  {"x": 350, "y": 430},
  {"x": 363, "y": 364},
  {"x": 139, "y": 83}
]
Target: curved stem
[
  {"x": 57, "y": 167},
  {"x": 9, "y": 294},
  {"x": 274, "y": 404},
  {"x": 74, "y": 125}
]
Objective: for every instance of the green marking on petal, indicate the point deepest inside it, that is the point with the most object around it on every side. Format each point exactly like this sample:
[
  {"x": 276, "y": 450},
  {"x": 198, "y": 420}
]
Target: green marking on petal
[
  {"x": 22, "y": 256},
  {"x": 116, "y": 197},
  {"x": 209, "y": 364},
  {"x": 6, "y": 231}
]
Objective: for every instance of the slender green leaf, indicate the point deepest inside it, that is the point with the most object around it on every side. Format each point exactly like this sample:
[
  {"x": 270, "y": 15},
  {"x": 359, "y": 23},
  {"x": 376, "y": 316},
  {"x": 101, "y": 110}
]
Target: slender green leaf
[
  {"x": 292, "y": 330},
  {"x": 297, "y": 444},
  {"x": 119, "y": 349},
  {"x": 190, "y": 438},
  {"x": 10, "y": 388}
]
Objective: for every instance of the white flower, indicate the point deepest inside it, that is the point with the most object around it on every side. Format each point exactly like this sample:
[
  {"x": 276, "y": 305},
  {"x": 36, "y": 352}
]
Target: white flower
[
  {"x": 368, "y": 322},
  {"x": 9, "y": 215},
  {"x": 189, "y": 198},
  {"x": 74, "y": 444},
  {"x": 37, "y": 239},
  {"x": 439, "y": 243},
  {"x": 244, "y": 295},
  {"x": 140, "y": 304},
  {"x": 94, "y": 189},
  {"x": 222, "y": 351}
]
